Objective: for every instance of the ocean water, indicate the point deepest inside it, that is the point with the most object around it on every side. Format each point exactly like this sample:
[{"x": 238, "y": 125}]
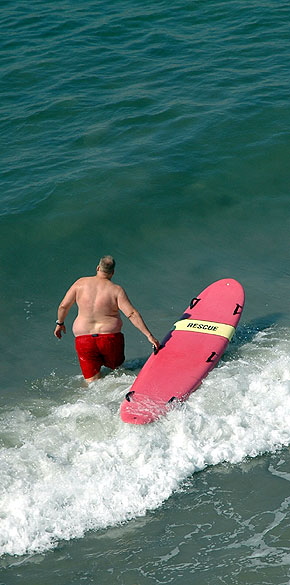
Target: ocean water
[{"x": 159, "y": 133}]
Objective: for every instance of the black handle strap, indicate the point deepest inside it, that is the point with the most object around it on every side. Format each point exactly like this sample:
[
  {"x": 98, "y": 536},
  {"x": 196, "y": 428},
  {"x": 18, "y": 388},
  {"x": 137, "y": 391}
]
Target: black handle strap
[
  {"x": 194, "y": 302},
  {"x": 128, "y": 395},
  {"x": 212, "y": 355},
  {"x": 237, "y": 311}
]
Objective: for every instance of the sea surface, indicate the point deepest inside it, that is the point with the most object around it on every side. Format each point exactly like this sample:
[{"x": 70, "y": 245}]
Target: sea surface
[{"x": 157, "y": 132}]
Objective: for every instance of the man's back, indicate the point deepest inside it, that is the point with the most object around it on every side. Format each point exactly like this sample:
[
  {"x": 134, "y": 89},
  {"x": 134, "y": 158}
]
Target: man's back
[{"x": 97, "y": 301}]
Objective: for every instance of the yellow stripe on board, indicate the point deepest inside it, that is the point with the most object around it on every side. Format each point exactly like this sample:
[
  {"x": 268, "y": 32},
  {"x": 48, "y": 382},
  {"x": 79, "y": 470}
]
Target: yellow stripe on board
[{"x": 209, "y": 327}]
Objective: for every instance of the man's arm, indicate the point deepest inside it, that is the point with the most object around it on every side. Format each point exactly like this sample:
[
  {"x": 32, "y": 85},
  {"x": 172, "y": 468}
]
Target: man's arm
[
  {"x": 135, "y": 317},
  {"x": 63, "y": 309}
]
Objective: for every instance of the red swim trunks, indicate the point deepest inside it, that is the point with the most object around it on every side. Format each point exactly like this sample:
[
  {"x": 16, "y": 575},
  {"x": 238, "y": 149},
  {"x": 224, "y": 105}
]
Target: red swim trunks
[{"x": 94, "y": 351}]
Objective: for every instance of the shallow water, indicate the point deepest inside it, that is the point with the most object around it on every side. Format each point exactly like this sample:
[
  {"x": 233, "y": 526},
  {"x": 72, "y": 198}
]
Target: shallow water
[{"x": 157, "y": 134}]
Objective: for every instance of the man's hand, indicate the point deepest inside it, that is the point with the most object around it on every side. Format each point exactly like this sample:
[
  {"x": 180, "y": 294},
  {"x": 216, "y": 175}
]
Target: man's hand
[
  {"x": 58, "y": 330},
  {"x": 154, "y": 341}
]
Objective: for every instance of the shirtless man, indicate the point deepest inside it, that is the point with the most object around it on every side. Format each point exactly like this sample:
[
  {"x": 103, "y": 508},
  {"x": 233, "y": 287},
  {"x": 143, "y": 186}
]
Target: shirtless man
[{"x": 97, "y": 327}]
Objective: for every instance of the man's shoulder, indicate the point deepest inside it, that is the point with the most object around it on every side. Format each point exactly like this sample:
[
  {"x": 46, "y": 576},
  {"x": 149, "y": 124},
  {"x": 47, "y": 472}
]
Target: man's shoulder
[
  {"x": 118, "y": 288},
  {"x": 82, "y": 280}
]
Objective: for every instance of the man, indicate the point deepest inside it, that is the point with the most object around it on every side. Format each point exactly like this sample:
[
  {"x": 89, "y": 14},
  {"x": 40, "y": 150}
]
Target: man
[{"x": 97, "y": 327}]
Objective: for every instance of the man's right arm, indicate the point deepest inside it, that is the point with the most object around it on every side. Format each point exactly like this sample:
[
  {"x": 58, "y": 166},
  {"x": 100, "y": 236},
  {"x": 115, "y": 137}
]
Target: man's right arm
[{"x": 135, "y": 317}]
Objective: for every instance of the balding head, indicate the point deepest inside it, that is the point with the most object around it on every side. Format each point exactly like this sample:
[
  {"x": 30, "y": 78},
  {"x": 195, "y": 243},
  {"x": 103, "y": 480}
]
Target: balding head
[{"x": 107, "y": 264}]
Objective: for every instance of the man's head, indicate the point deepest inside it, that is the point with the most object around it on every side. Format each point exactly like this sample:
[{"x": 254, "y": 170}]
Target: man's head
[{"x": 107, "y": 265}]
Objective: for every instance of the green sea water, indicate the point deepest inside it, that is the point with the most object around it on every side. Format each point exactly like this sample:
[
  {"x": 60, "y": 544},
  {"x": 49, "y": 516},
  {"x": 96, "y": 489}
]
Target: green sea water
[{"x": 158, "y": 133}]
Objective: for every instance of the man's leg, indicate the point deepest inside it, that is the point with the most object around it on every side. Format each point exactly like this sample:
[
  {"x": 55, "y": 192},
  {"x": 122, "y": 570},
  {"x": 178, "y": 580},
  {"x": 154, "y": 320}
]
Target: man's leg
[
  {"x": 111, "y": 347},
  {"x": 95, "y": 377},
  {"x": 89, "y": 357}
]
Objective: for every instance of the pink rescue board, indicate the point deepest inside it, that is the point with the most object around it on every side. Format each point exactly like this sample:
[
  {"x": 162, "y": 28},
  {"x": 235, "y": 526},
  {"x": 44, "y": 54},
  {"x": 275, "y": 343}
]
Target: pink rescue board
[{"x": 188, "y": 353}]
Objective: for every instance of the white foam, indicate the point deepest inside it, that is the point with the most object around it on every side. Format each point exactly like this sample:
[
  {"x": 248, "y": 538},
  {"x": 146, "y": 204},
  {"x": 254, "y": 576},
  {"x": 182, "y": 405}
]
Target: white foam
[{"x": 69, "y": 468}]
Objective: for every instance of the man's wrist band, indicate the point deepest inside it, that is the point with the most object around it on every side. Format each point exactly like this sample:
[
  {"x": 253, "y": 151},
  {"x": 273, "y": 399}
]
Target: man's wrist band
[{"x": 59, "y": 323}]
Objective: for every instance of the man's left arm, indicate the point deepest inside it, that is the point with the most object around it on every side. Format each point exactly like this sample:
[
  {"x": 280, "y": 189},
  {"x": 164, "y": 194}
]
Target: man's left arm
[{"x": 63, "y": 309}]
